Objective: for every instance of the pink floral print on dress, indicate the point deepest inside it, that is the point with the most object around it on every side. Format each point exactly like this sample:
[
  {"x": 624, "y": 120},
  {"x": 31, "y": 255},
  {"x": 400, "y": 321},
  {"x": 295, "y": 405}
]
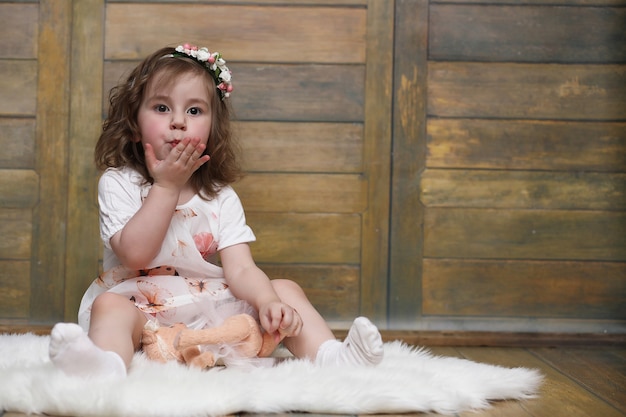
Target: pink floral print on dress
[{"x": 206, "y": 244}]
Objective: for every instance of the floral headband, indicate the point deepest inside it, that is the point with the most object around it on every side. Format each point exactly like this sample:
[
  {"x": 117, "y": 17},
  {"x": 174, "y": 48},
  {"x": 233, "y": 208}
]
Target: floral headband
[{"x": 212, "y": 62}]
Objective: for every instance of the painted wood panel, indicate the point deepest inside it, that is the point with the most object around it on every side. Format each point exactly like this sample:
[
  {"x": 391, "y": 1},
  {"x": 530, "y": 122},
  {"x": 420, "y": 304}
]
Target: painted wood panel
[
  {"x": 17, "y": 140},
  {"x": 306, "y": 238},
  {"x": 303, "y": 193},
  {"x": 19, "y": 30},
  {"x": 523, "y": 189},
  {"x": 18, "y": 85},
  {"x": 14, "y": 289},
  {"x": 524, "y": 234},
  {"x": 541, "y": 33},
  {"x": 19, "y": 188},
  {"x": 301, "y": 147},
  {"x": 527, "y": 145},
  {"x": 586, "y": 290},
  {"x": 249, "y": 33},
  {"x": 527, "y": 91}
]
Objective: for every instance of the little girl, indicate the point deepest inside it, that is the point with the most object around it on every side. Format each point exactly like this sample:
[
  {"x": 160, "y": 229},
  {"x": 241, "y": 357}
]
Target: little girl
[{"x": 167, "y": 213}]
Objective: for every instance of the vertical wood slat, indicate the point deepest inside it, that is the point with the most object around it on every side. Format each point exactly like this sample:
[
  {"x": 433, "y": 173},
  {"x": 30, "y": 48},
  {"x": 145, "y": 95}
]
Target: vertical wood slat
[
  {"x": 82, "y": 249},
  {"x": 53, "y": 96},
  {"x": 409, "y": 150},
  {"x": 377, "y": 159}
]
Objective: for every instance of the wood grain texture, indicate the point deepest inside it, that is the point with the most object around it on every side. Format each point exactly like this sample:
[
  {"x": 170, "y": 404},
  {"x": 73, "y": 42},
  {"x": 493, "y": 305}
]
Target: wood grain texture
[
  {"x": 14, "y": 289},
  {"x": 303, "y": 193},
  {"x": 19, "y": 188},
  {"x": 524, "y": 234},
  {"x": 528, "y": 91},
  {"x": 539, "y": 33},
  {"x": 16, "y": 227},
  {"x": 272, "y": 34},
  {"x": 374, "y": 240},
  {"x": 601, "y": 371},
  {"x": 527, "y": 145},
  {"x": 301, "y": 147},
  {"x": 18, "y": 30},
  {"x": 409, "y": 155},
  {"x": 84, "y": 129},
  {"x": 306, "y": 237},
  {"x": 558, "y": 395},
  {"x": 523, "y": 189},
  {"x": 18, "y": 85},
  {"x": 53, "y": 105},
  {"x": 585, "y": 290},
  {"x": 17, "y": 140}
]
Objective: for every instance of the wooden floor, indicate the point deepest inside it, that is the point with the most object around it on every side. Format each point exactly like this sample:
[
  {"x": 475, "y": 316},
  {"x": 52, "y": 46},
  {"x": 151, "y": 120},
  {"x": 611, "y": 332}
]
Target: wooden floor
[{"x": 580, "y": 382}]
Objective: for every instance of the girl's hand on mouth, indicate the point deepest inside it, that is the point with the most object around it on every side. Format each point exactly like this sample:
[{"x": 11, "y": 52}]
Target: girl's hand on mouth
[{"x": 183, "y": 160}]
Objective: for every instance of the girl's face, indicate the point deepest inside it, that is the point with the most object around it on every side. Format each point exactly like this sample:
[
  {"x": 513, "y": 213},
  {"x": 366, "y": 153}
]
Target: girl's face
[{"x": 175, "y": 111}]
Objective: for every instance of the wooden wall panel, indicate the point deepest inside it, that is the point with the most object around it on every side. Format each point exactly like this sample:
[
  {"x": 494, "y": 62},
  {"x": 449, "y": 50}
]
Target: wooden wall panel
[
  {"x": 15, "y": 289},
  {"x": 301, "y": 147},
  {"x": 18, "y": 188},
  {"x": 305, "y": 238},
  {"x": 522, "y": 185},
  {"x": 18, "y": 30},
  {"x": 527, "y": 145},
  {"x": 18, "y": 85},
  {"x": 17, "y": 153},
  {"x": 590, "y": 290},
  {"x": 248, "y": 32},
  {"x": 19, "y": 183},
  {"x": 52, "y": 131},
  {"x": 530, "y": 91},
  {"x": 524, "y": 234},
  {"x": 540, "y": 33},
  {"x": 16, "y": 226},
  {"x": 523, "y": 189},
  {"x": 303, "y": 193}
]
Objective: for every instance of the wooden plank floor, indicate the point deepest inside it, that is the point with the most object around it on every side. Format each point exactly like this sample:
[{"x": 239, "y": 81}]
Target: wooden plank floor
[{"x": 579, "y": 381}]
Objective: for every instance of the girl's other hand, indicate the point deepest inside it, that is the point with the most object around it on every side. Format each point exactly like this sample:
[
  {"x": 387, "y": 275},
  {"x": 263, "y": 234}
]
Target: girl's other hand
[{"x": 279, "y": 319}]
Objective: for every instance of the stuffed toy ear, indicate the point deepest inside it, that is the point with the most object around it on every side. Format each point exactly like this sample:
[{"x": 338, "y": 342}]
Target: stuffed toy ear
[{"x": 159, "y": 342}]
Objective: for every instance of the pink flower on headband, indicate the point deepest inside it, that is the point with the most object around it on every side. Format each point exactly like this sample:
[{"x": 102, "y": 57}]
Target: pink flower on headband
[{"x": 214, "y": 64}]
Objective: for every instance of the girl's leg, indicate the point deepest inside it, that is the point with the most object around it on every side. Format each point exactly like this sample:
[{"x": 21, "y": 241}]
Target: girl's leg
[
  {"x": 114, "y": 335},
  {"x": 362, "y": 346}
]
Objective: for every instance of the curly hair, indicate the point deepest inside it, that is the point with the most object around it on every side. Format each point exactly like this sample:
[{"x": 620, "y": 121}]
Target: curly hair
[{"x": 116, "y": 147}]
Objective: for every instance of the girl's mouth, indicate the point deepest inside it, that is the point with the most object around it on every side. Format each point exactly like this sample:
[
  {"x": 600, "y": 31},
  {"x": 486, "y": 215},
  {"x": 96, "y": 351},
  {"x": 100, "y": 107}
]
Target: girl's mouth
[{"x": 175, "y": 143}]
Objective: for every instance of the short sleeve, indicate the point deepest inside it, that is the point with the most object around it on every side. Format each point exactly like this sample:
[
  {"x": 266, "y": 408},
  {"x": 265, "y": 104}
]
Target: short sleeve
[
  {"x": 233, "y": 228},
  {"x": 119, "y": 198}
]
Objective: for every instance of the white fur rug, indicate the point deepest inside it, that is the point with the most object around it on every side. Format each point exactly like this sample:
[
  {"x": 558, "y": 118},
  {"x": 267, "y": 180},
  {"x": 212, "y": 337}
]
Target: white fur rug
[{"x": 408, "y": 380}]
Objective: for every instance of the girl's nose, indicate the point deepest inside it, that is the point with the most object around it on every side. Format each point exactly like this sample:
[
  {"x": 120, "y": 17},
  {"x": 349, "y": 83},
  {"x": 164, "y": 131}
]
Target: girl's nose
[{"x": 179, "y": 121}]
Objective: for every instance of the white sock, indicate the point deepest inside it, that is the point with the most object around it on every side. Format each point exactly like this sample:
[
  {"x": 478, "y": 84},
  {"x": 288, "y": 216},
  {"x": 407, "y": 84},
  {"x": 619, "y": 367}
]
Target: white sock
[
  {"x": 362, "y": 346},
  {"x": 72, "y": 351}
]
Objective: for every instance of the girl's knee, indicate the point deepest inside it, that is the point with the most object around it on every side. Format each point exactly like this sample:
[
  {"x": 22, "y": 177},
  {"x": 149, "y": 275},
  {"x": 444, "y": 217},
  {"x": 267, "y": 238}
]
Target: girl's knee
[{"x": 110, "y": 301}]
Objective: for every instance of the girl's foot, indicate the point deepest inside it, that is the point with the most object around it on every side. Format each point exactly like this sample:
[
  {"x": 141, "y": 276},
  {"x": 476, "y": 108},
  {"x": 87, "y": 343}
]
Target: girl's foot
[
  {"x": 72, "y": 351},
  {"x": 362, "y": 346}
]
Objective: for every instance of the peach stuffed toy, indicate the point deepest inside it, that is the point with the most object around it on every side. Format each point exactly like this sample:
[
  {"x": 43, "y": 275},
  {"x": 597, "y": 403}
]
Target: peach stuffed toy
[{"x": 241, "y": 332}]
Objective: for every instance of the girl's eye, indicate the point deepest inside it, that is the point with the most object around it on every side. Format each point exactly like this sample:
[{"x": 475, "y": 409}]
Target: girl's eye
[
  {"x": 194, "y": 111},
  {"x": 161, "y": 108}
]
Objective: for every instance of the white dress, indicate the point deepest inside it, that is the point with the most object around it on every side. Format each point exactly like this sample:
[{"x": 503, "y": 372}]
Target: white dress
[{"x": 180, "y": 285}]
